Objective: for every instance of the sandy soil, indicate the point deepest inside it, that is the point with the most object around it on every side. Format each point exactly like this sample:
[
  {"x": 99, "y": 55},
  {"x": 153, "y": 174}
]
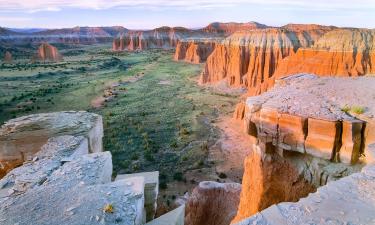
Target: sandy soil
[{"x": 230, "y": 150}]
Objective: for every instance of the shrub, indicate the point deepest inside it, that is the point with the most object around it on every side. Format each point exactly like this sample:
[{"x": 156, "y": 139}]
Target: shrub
[
  {"x": 222, "y": 175},
  {"x": 358, "y": 109},
  {"x": 163, "y": 185},
  {"x": 178, "y": 176}
]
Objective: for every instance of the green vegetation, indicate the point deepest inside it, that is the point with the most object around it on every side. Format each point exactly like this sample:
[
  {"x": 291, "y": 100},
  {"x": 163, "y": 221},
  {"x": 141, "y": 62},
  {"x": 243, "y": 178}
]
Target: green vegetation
[
  {"x": 353, "y": 109},
  {"x": 358, "y": 109},
  {"x": 158, "y": 118}
]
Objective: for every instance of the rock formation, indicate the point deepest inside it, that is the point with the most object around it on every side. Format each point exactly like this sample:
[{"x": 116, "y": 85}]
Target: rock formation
[
  {"x": 345, "y": 52},
  {"x": 48, "y": 53},
  {"x": 348, "y": 200},
  {"x": 194, "y": 51},
  {"x": 163, "y": 37},
  {"x": 65, "y": 183},
  {"x": 303, "y": 138},
  {"x": 8, "y": 57},
  {"x": 254, "y": 59},
  {"x": 212, "y": 203},
  {"x": 250, "y": 58},
  {"x": 15, "y": 135}
]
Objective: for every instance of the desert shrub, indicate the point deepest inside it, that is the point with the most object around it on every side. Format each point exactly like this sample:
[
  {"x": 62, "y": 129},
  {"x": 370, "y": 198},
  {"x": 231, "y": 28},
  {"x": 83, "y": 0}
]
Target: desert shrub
[
  {"x": 178, "y": 176},
  {"x": 222, "y": 175},
  {"x": 163, "y": 185},
  {"x": 358, "y": 109}
]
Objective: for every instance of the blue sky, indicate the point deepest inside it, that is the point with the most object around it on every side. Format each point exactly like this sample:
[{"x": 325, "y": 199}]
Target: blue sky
[{"x": 145, "y": 14}]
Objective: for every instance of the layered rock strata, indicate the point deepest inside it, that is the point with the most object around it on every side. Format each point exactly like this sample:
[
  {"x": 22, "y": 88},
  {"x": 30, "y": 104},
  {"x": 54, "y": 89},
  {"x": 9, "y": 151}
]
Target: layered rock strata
[
  {"x": 48, "y": 53},
  {"x": 303, "y": 138},
  {"x": 250, "y": 58},
  {"x": 194, "y": 51},
  {"x": 254, "y": 58},
  {"x": 22, "y": 137},
  {"x": 212, "y": 203},
  {"x": 345, "y": 52}
]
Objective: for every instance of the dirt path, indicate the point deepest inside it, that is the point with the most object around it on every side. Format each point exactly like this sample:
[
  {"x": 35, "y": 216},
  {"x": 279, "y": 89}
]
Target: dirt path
[{"x": 230, "y": 150}]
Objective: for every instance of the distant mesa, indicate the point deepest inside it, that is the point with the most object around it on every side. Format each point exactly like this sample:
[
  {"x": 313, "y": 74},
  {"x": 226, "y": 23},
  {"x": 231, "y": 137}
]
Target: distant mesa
[
  {"x": 48, "y": 53},
  {"x": 229, "y": 28},
  {"x": 8, "y": 58}
]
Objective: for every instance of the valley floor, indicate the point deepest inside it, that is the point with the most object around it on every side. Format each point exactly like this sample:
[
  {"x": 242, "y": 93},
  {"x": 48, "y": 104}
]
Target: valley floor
[{"x": 155, "y": 115}]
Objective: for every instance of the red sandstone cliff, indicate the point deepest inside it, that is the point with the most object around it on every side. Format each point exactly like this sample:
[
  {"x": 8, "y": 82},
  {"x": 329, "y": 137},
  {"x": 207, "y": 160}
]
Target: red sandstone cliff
[
  {"x": 194, "y": 51},
  {"x": 347, "y": 52},
  {"x": 252, "y": 58},
  {"x": 47, "y": 52},
  {"x": 8, "y": 57}
]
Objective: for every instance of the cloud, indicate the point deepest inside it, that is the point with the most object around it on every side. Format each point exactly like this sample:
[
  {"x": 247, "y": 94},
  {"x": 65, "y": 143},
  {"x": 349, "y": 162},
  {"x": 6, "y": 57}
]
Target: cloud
[{"x": 56, "y": 5}]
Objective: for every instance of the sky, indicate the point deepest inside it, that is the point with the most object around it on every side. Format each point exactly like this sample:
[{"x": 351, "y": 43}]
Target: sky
[{"x": 147, "y": 14}]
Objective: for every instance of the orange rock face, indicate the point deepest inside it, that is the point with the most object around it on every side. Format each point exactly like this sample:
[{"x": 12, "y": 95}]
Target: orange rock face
[
  {"x": 254, "y": 59},
  {"x": 269, "y": 179},
  {"x": 250, "y": 58},
  {"x": 194, "y": 51},
  {"x": 212, "y": 203},
  {"x": 8, "y": 57},
  {"x": 47, "y": 52}
]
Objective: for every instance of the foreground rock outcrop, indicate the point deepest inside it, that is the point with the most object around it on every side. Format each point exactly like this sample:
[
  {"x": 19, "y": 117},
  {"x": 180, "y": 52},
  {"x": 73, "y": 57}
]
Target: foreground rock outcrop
[
  {"x": 212, "y": 203},
  {"x": 22, "y": 137},
  {"x": 64, "y": 182},
  {"x": 48, "y": 53},
  {"x": 348, "y": 200},
  {"x": 304, "y": 138}
]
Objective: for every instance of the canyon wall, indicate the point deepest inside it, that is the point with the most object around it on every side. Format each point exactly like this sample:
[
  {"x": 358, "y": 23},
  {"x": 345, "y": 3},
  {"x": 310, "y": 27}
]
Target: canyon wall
[
  {"x": 303, "y": 138},
  {"x": 194, "y": 51},
  {"x": 254, "y": 58},
  {"x": 344, "y": 52},
  {"x": 48, "y": 53}
]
